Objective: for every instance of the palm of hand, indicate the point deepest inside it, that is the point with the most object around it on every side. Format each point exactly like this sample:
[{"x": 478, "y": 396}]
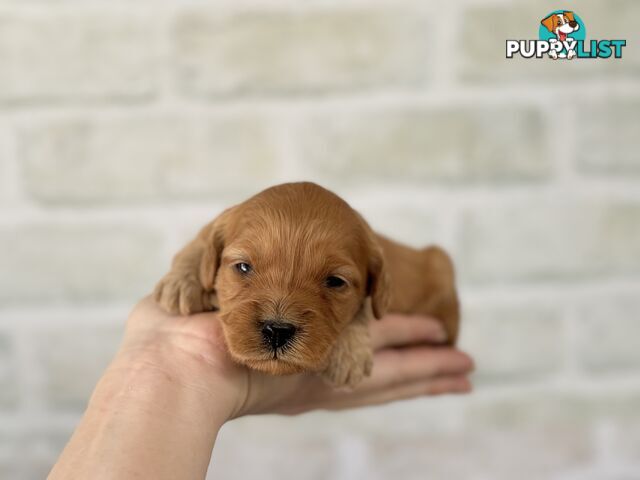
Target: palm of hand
[{"x": 407, "y": 363}]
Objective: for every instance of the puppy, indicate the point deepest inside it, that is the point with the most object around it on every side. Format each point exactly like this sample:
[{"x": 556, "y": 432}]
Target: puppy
[
  {"x": 297, "y": 274},
  {"x": 562, "y": 25}
]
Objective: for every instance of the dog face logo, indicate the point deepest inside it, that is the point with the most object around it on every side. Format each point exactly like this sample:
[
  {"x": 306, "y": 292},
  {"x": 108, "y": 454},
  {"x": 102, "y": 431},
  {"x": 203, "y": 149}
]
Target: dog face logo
[{"x": 562, "y": 25}]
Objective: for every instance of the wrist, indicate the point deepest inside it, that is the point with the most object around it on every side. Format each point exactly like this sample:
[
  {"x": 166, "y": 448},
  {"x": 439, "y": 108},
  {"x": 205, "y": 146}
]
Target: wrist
[
  {"x": 149, "y": 378},
  {"x": 146, "y": 407}
]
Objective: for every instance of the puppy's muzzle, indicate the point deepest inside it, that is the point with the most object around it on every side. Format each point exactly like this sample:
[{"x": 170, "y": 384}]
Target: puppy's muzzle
[{"x": 277, "y": 334}]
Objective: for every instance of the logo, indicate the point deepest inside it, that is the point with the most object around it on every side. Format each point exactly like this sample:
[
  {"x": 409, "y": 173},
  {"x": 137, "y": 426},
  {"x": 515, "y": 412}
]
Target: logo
[{"x": 562, "y": 35}]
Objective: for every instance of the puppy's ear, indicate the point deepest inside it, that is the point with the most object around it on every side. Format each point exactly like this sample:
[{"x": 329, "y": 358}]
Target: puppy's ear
[
  {"x": 550, "y": 22},
  {"x": 570, "y": 16},
  {"x": 378, "y": 285},
  {"x": 213, "y": 238}
]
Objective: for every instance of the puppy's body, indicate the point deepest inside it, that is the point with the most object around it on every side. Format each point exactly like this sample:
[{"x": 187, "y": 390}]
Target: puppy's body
[
  {"x": 297, "y": 274},
  {"x": 422, "y": 282}
]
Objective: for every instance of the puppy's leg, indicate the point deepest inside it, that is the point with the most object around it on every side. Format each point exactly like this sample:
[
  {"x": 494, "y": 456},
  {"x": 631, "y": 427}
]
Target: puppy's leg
[
  {"x": 351, "y": 359},
  {"x": 180, "y": 290},
  {"x": 423, "y": 282},
  {"x": 553, "y": 53}
]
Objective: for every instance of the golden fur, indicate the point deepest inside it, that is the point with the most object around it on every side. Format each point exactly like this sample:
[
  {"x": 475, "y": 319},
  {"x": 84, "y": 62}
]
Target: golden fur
[{"x": 294, "y": 236}]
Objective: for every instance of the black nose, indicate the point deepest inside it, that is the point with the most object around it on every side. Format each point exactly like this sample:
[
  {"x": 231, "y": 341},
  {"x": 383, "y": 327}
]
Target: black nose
[
  {"x": 573, "y": 24},
  {"x": 277, "y": 334}
]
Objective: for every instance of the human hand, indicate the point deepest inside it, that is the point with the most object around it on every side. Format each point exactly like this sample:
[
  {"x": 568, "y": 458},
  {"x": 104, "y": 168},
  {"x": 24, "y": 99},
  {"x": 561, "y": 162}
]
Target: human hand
[
  {"x": 172, "y": 385},
  {"x": 408, "y": 362}
]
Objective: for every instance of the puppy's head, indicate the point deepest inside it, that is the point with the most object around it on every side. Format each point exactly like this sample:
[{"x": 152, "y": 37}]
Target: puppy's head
[
  {"x": 561, "y": 24},
  {"x": 291, "y": 267}
]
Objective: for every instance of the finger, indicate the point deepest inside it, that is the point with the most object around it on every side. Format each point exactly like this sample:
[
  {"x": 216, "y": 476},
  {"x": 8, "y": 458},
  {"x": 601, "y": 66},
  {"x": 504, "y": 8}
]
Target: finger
[
  {"x": 400, "y": 330},
  {"x": 395, "y": 374},
  {"x": 452, "y": 384},
  {"x": 399, "y": 366},
  {"x": 456, "y": 384}
]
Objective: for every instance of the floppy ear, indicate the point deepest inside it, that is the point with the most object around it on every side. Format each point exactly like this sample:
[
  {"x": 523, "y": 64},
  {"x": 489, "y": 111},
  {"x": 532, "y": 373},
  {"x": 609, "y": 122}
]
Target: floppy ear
[
  {"x": 213, "y": 238},
  {"x": 570, "y": 16},
  {"x": 550, "y": 23},
  {"x": 378, "y": 285}
]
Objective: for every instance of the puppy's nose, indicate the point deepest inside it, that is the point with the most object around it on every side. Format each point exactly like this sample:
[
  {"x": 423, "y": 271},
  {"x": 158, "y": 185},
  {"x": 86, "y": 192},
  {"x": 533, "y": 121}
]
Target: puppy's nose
[
  {"x": 277, "y": 334},
  {"x": 573, "y": 24}
]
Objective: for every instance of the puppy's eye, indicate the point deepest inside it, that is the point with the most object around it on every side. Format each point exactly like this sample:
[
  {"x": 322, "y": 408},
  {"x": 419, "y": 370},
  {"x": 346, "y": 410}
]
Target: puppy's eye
[
  {"x": 243, "y": 268},
  {"x": 334, "y": 282}
]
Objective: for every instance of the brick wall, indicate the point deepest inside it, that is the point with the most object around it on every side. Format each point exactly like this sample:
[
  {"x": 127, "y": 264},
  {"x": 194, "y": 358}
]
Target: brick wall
[{"x": 124, "y": 126}]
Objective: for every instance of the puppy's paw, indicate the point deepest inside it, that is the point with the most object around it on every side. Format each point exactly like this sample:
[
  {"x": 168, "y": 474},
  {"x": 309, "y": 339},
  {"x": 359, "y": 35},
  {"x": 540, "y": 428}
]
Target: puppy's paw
[
  {"x": 348, "y": 368},
  {"x": 183, "y": 295}
]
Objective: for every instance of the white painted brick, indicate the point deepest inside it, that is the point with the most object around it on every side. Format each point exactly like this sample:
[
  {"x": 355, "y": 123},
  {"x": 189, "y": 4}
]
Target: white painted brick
[
  {"x": 626, "y": 441},
  {"x": 4, "y": 163},
  {"x": 62, "y": 263},
  {"x": 490, "y": 455},
  {"x": 442, "y": 414},
  {"x": 259, "y": 69},
  {"x": 51, "y": 56},
  {"x": 607, "y": 136},
  {"x": 30, "y": 453},
  {"x": 286, "y": 52},
  {"x": 624, "y": 417},
  {"x": 535, "y": 410},
  {"x": 532, "y": 434},
  {"x": 5, "y": 470},
  {"x": 615, "y": 415},
  {"x": 283, "y": 452},
  {"x": 602, "y": 473},
  {"x": 550, "y": 239},
  {"x": 72, "y": 361},
  {"x": 608, "y": 333},
  {"x": 517, "y": 343},
  {"x": 423, "y": 146},
  {"x": 407, "y": 224},
  {"x": 9, "y": 395},
  {"x": 324, "y": 444},
  {"x": 485, "y": 29},
  {"x": 147, "y": 158},
  {"x": 9, "y": 453}
]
